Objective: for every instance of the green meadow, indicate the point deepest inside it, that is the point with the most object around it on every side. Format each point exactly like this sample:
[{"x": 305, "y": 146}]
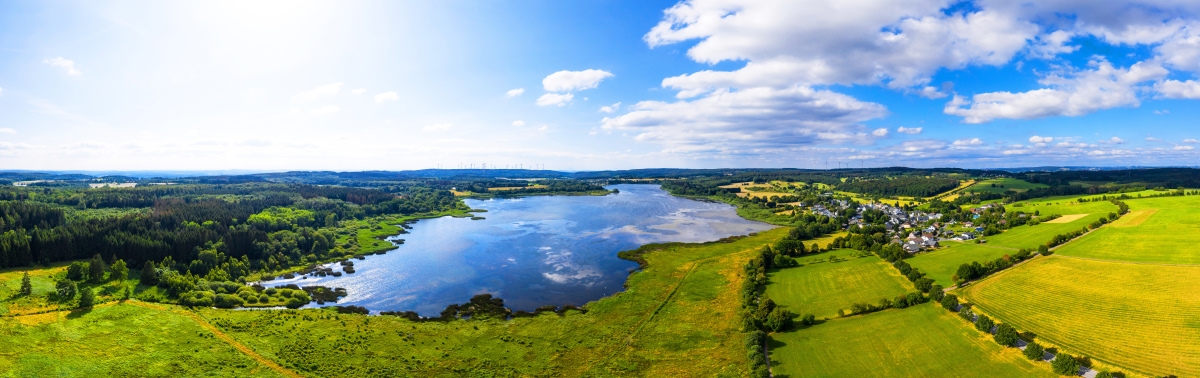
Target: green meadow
[
  {"x": 117, "y": 340},
  {"x": 822, "y": 288},
  {"x": 920, "y": 341},
  {"x": 1136, "y": 316},
  {"x": 1160, "y": 230},
  {"x": 1004, "y": 184}
]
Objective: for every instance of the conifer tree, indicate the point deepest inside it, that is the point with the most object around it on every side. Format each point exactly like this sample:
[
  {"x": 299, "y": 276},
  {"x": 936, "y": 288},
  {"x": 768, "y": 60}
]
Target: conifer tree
[{"x": 26, "y": 285}]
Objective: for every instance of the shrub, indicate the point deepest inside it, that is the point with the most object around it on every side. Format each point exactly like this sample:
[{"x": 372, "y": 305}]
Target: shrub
[
  {"x": 65, "y": 289},
  {"x": 756, "y": 357},
  {"x": 779, "y": 320},
  {"x": 984, "y": 324},
  {"x": 1065, "y": 364},
  {"x": 197, "y": 299},
  {"x": 1006, "y": 335},
  {"x": 227, "y": 301},
  {"x": 1034, "y": 351},
  {"x": 76, "y": 271},
  {"x": 936, "y": 293},
  {"x": 808, "y": 319},
  {"x": 294, "y": 303},
  {"x": 754, "y": 339},
  {"x": 950, "y": 302},
  {"x": 87, "y": 298}
]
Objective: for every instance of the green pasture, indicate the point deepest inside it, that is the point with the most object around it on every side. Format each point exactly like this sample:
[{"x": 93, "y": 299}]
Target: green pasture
[
  {"x": 822, "y": 288},
  {"x": 1003, "y": 185},
  {"x": 1159, "y": 230},
  {"x": 921, "y": 341},
  {"x": 942, "y": 264},
  {"x": 1139, "y": 317},
  {"x": 117, "y": 341}
]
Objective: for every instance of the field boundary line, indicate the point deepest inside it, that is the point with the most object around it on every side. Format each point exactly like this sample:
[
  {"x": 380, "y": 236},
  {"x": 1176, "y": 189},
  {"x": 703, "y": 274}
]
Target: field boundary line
[{"x": 223, "y": 336}]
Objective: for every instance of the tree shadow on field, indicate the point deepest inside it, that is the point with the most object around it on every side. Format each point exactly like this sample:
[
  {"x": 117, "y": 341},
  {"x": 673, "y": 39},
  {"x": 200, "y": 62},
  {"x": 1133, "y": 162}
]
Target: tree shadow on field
[
  {"x": 774, "y": 344},
  {"x": 78, "y": 313}
]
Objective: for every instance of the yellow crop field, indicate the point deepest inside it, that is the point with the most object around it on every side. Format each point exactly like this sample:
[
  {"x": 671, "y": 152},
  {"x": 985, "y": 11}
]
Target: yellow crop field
[
  {"x": 1066, "y": 218},
  {"x": 1141, "y": 317}
]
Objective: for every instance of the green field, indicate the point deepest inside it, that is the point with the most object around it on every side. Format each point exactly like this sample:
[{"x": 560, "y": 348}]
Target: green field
[
  {"x": 940, "y": 265},
  {"x": 117, "y": 341},
  {"x": 1159, "y": 230},
  {"x": 822, "y": 289},
  {"x": 1141, "y": 317},
  {"x": 921, "y": 341},
  {"x": 1003, "y": 185}
]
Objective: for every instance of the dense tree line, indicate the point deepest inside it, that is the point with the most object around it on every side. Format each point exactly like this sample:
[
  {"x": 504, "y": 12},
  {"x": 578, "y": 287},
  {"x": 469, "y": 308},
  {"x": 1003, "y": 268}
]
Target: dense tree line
[
  {"x": 181, "y": 227},
  {"x": 911, "y": 186}
]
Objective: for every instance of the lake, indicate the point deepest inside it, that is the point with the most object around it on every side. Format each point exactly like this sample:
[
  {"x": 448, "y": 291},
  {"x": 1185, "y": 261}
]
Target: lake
[{"x": 529, "y": 251}]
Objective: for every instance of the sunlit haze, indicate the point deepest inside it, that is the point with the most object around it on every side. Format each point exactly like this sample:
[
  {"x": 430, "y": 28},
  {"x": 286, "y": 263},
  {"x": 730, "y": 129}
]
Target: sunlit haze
[{"x": 585, "y": 85}]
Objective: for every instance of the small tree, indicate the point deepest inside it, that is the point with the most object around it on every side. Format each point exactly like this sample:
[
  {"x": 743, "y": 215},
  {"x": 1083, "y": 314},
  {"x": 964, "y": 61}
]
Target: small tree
[
  {"x": 1043, "y": 250},
  {"x": 950, "y": 302},
  {"x": 1065, "y": 364},
  {"x": 779, "y": 320},
  {"x": 26, "y": 285},
  {"x": 984, "y": 324},
  {"x": 87, "y": 298},
  {"x": 65, "y": 289},
  {"x": 77, "y": 271},
  {"x": 149, "y": 274},
  {"x": 936, "y": 293},
  {"x": 1034, "y": 351},
  {"x": 1006, "y": 335},
  {"x": 120, "y": 272},
  {"x": 96, "y": 269}
]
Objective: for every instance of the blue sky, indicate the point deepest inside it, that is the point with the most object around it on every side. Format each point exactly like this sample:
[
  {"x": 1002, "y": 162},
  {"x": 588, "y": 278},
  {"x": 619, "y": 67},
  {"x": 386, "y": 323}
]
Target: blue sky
[{"x": 579, "y": 85}]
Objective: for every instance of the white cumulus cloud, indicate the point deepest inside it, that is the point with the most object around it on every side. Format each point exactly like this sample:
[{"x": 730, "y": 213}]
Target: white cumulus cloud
[
  {"x": 386, "y": 96},
  {"x": 968, "y": 142},
  {"x": 568, "y": 81},
  {"x": 324, "y": 91},
  {"x": 749, "y": 118},
  {"x": 514, "y": 92},
  {"x": 1079, "y": 93},
  {"x": 555, "y": 99},
  {"x": 880, "y": 132},
  {"x": 1189, "y": 140},
  {"x": 6, "y": 130},
  {"x": 1178, "y": 89},
  {"x": 610, "y": 108},
  {"x": 909, "y": 130},
  {"x": 518, "y": 123},
  {"x": 1184, "y": 148},
  {"x": 1040, "y": 139},
  {"x": 65, "y": 64}
]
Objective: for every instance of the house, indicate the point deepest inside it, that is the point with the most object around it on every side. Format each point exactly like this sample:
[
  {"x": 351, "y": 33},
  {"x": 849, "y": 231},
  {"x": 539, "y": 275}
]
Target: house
[
  {"x": 912, "y": 247},
  {"x": 931, "y": 243}
]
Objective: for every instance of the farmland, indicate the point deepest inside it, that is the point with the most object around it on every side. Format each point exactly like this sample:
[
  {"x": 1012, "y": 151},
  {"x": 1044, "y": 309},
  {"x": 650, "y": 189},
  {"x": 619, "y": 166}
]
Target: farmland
[
  {"x": 1137, "y": 316},
  {"x": 1160, "y": 230},
  {"x": 943, "y": 263},
  {"x": 922, "y": 341},
  {"x": 1000, "y": 185},
  {"x": 822, "y": 288}
]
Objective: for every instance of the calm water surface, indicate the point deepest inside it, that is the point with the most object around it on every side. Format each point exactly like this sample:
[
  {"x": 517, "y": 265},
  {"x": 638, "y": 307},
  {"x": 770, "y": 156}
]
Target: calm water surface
[{"x": 532, "y": 251}]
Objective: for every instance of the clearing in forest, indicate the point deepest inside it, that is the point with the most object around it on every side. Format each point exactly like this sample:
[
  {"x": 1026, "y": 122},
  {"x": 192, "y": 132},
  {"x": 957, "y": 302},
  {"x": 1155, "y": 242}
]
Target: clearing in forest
[
  {"x": 1157, "y": 230},
  {"x": 822, "y": 288},
  {"x": 920, "y": 341},
  {"x": 1141, "y": 317}
]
